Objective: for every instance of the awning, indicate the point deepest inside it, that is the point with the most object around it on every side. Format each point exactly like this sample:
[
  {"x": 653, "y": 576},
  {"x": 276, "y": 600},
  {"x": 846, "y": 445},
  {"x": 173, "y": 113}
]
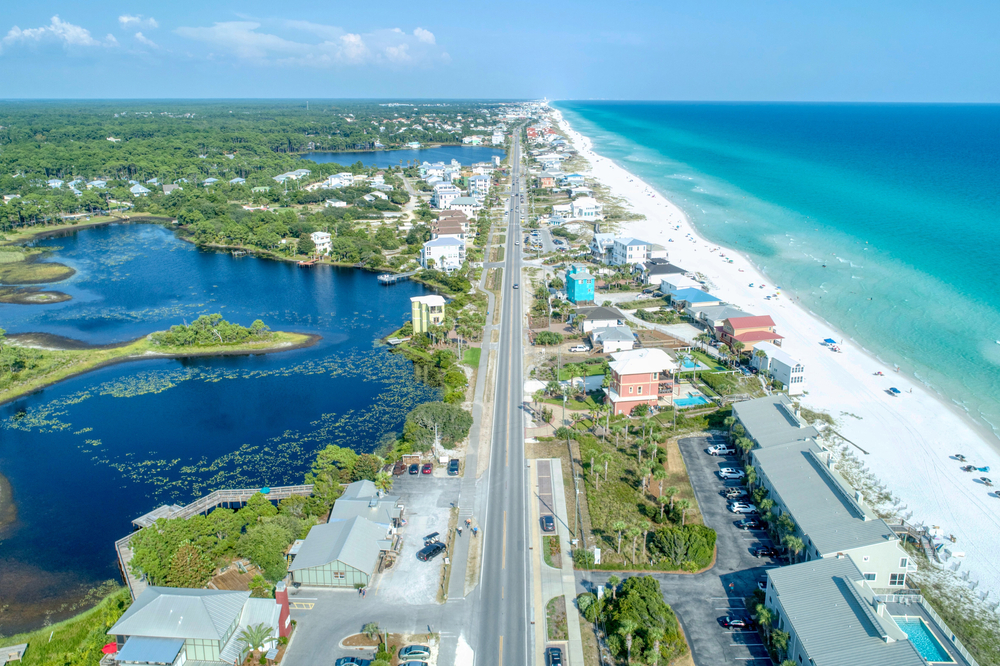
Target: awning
[
  {"x": 147, "y": 650},
  {"x": 830, "y": 341}
]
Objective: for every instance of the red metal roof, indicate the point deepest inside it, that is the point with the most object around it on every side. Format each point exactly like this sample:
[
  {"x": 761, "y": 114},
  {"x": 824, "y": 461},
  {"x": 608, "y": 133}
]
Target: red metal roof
[
  {"x": 751, "y": 322},
  {"x": 757, "y": 336}
]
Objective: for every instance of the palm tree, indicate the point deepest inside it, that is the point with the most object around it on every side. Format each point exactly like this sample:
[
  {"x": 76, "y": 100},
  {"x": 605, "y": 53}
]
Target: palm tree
[
  {"x": 751, "y": 475},
  {"x": 619, "y": 526},
  {"x": 659, "y": 475},
  {"x": 626, "y": 628},
  {"x": 656, "y": 635},
  {"x": 764, "y": 618},
  {"x": 683, "y": 505},
  {"x": 634, "y": 532},
  {"x": 538, "y": 396},
  {"x": 671, "y": 492},
  {"x": 253, "y": 638},
  {"x": 613, "y": 585},
  {"x": 646, "y": 469},
  {"x": 605, "y": 458},
  {"x": 795, "y": 546}
]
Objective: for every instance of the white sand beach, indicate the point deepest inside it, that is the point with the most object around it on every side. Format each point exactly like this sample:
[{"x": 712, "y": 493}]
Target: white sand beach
[{"x": 909, "y": 438}]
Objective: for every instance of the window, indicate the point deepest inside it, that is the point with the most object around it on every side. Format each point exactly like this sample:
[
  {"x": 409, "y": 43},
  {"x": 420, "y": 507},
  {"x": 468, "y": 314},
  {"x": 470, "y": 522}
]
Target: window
[
  {"x": 897, "y": 580},
  {"x": 338, "y": 575},
  {"x": 904, "y": 562},
  {"x": 640, "y": 390},
  {"x": 870, "y": 576},
  {"x": 630, "y": 389}
]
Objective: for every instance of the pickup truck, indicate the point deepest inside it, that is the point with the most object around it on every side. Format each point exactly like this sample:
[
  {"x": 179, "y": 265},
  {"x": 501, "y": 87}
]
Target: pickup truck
[{"x": 580, "y": 349}]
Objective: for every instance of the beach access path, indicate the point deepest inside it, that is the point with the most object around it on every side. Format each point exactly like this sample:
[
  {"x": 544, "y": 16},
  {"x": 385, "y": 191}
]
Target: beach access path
[{"x": 909, "y": 438}]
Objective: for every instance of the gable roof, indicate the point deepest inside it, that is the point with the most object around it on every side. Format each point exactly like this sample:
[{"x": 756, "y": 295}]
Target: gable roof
[
  {"x": 614, "y": 334},
  {"x": 600, "y": 313},
  {"x": 756, "y": 321},
  {"x": 757, "y": 336},
  {"x": 719, "y": 311},
  {"x": 692, "y": 295},
  {"x": 643, "y": 360},
  {"x": 443, "y": 241},
  {"x": 356, "y": 542},
  {"x": 175, "y": 612},
  {"x": 628, "y": 241}
]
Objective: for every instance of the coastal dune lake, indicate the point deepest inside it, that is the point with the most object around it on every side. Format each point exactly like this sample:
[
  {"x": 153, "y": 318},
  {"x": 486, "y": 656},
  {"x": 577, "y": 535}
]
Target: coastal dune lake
[
  {"x": 388, "y": 158},
  {"x": 86, "y": 456}
]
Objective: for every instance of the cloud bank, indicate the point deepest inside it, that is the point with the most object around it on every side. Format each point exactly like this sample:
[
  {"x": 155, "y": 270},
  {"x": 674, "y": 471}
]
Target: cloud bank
[{"x": 57, "y": 31}]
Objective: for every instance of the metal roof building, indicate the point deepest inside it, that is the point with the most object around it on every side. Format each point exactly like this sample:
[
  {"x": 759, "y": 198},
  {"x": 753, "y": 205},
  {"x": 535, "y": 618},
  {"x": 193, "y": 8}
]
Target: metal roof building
[
  {"x": 833, "y": 617},
  {"x": 772, "y": 421},
  {"x": 341, "y": 553},
  {"x": 361, "y": 499}
]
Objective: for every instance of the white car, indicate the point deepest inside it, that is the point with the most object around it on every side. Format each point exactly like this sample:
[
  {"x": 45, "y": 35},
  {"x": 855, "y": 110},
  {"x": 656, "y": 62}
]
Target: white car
[
  {"x": 721, "y": 450},
  {"x": 731, "y": 473},
  {"x": 742, "y": 507},
  {"x": 580, "y": 348}
]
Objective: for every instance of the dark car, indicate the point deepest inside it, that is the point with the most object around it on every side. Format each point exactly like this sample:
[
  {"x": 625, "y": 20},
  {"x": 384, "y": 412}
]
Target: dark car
[
  {"x": 453, "y": 467},
  {"x": 414, "y": 468},
  {"x": 352, "y": 661},
  {"x": 399, "y": 468},
  {"x": 764, "y": 551},
  {"x": 548, "y": 523},
  {"x": 749, "y": 524},
  {"x": 553, "y": 656},
  {"x": 428, "y": 468},
  {"x": 430, "y": 551},
  {"x": 735, "y": 621}
]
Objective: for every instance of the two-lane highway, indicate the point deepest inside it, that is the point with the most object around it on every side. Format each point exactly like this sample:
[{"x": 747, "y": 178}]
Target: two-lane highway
[{"x": 502, "y": 635}]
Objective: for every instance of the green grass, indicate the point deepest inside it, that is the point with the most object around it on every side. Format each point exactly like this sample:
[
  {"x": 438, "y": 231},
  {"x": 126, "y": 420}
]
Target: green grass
[
  {"x": 76, "y": 641},
  {"x": 555, "y": 619},
  {"x": 33, "y": 272},
  {"x": 471, "y": 357},
  {"x": 592, "y": 371}
]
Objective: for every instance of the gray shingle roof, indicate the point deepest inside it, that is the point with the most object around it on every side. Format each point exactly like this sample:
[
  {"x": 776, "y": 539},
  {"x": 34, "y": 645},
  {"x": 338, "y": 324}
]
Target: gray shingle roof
[
  {"x": 174, "y": 612},
  {"x": 614, "y": 334},
  {"x": 356, "y": 542},
  {"x": 601, "y": 313},
  {"x": 830, "y": 610},
  {"x": 818, "y": 499},
  {"x": 771, "y": 421}
]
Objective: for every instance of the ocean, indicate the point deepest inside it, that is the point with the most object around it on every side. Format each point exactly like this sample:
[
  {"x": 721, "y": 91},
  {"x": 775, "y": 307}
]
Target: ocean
[{"x": 884, "y": 220}]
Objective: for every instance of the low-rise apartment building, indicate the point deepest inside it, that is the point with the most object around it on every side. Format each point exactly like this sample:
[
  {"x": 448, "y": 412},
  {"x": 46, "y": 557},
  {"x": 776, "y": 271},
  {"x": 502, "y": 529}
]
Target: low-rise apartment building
[{"x": 772, "y": 421}]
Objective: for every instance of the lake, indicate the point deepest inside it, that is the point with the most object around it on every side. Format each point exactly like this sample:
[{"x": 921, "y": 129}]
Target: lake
[
  {"x": 85, "y": 457},
  {"x": 382, "y": 159}
]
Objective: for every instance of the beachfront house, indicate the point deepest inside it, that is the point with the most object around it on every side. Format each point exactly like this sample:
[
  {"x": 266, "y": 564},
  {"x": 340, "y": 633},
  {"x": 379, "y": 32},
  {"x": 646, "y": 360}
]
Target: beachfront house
[
  {"x": 445, "y": 254},
  {"x": 682, "y": 299},
  {"x": 600, "y": 247},
  {"x": 833, "y": 616},
  {"x": 640, "y": 377},
  {"x": 676, "y": 282},
  {"x": 830, "y": 518},
  {"x": 591, "y": 318},
  {"x": 781, "y": 365},
  {"x": 749, "y": 330},
  {"x": 340, "y": 553},
  {"x": 656, "y": 270},
  {"x": 772, "y": 421},
  {"x": 586, "y": 208},
  {"x": 613, "y": 339},
  {"x": 713, "y": 316},
  {"x": 579, "y": 285},
  {"x": 323, "y": 241},
  {"x": 171, "y": 625},
  {"x": 573, "y": 179},
  {"x": 629, "y": 251},
  {"x": 444, "y": 194},
  {"x": 426, "y": 311}
]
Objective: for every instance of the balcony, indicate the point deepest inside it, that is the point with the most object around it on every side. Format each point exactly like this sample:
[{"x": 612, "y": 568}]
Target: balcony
[{"x": 666, "y": 388}]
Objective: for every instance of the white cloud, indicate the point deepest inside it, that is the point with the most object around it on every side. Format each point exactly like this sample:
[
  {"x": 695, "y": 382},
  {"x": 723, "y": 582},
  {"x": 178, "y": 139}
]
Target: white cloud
[
  {"x": 143, "y": 39},
  {"x": 68, "y": 34},
  {"x": 425, "y": 36},
  {"x": 330, "y": 45},
  {"x": 129, "y": 21}
]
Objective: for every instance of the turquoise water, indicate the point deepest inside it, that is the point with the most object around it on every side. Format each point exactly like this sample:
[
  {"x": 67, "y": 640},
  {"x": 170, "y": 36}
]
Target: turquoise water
[
  {"x": 922, "y": 638},
  {"x": 882, "y": 219},
  {"x": 689, "y": 401}
]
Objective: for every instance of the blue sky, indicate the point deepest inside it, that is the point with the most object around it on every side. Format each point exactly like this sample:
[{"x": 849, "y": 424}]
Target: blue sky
[{"x": 670, "y": 50}]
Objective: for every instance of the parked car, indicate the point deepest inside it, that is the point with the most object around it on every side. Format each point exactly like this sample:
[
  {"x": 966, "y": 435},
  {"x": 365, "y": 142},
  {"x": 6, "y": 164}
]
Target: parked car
[
  {"x": 548, "y": 523},
  {"x": 742, "y": 507},
  {"x": 749, "y": 524},
  {"x": 764, "y": 551},
  {"x": 762, "y": 585},
  {"x": 352, "y": 661},
  {"x": 553, "y": 656},
  {"x": 453, "y": 467},
  {"x": 414, "y": 468},
  {"x": 399, "y": 468},
  {"x": 735, "y": 622},
  {"x": 734, "y": 492},
  {"x": 411, "y": 652},
  {"x": 428, "y": 468},
  {"x": 731, "y": 473},
  {"x": 430, "y": 551},
  {"x": 721, "y": 450},
  {"x": 580, "y": 348}
]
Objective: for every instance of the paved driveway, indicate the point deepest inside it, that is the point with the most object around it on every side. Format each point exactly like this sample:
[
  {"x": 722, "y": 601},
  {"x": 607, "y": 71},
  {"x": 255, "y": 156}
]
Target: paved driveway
[{"x": 701, "y": 600}]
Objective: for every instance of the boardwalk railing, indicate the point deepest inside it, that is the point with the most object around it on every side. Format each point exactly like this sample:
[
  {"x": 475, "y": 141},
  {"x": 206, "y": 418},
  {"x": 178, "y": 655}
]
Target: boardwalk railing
[
  {"x": 393, "y": 278},
  {"x": 229, "y": 498}
]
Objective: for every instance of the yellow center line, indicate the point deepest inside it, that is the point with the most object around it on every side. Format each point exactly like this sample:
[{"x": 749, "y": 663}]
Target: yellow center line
[
  {"x": 501, "y": 650},
  {"x": 504, "y": 564}
]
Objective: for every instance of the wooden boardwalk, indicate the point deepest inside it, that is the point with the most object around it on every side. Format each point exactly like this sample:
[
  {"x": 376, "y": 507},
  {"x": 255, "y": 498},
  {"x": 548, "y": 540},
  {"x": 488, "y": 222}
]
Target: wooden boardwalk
[
  {"x": 393, "y": 278},
  {"x": 232, "y": 498}
]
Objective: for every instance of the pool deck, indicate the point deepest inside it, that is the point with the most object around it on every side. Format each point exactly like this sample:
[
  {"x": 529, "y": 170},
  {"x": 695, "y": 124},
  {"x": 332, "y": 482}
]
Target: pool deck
[{"x": 916, "y": 610}]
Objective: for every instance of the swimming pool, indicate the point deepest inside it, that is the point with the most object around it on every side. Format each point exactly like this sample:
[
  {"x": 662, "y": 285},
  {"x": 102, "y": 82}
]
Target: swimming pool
[
  {"x": 688, "y": 364},
  {"x": 691, "y": 400},
  {"x": 926, "y": 643}
]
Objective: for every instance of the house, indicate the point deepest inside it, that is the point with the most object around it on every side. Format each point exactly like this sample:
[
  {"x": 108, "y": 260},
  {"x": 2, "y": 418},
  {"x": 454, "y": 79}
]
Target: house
[
  {"x": 479, "y": 185},
  {"x": 586, "y": 208},
  {"x": 138, "y": 190},
  {"x": 830, "y": 518},
  {"x": 833, "y": 616},
  {"x": 7, "y": 198},
  {"x": 323, "y": 241},
  {"x": 676, "y": 282},
  {"x": 573, "y": 179},
  {"x": 455, "y": 216},
  {"x": 475, "y": 140},
  {"x": 237, "y": 181},
  {"x": 467, "y": 205},
  {"x": 167, "y": 189},
  {"x": 546, "y": 180},
  {"x": 600, "y": 247},
  {"x": 99, "y": 184},
  {"x": 712, "y": 316},
  {"x": 579, "y": 285},
  {"x": 172, "y": 625},
  {"x": 629, "y": 251},
  {"x": 640, "y": 377},
  {"x": 257, "y": 190},
  {"x": 210, "y": 181},
  {"x": 685, "y": 298},
  {"x": 446, "y": 254},
  {"x": 781, "y": 365},
  {"x": 362, "y": 499},
  {"x": 415, "y": 145},
  {"x": 444, "y": 194},
  {"x": 580, "y": 192},
  {"x": 334, "y": 203},
  {"x": 55, "y": 183},
  {"x": 340, "y": 553},
  {"x": 772, "y": 421},
  {"x": 447, "y": 228},
  {"x": 497, "y": 138},
  {"x": 426, "y": 311},
  {"x": 749, "y": 331},
  {"x": 613, "y": 339},
  {"x": 598, "y": 317}
]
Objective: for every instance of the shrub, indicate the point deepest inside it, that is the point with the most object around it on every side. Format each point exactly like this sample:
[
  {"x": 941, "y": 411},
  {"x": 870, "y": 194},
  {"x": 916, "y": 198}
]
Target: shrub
[{"x": 548, "y": 338}]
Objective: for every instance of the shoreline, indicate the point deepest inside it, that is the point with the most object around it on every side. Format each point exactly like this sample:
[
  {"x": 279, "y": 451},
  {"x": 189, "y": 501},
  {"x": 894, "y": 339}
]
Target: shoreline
[
  {"x": 309, "y": 340},
  {"x": 910, "y": 438},
  {"x": 52, "y": 230}
]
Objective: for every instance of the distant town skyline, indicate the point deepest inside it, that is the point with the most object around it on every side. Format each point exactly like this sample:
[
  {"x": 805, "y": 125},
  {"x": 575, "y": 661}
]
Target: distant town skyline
[{"x": 716, "y": 50}]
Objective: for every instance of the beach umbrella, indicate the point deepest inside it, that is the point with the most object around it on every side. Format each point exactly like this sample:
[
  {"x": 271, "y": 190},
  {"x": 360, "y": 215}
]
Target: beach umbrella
[
  {"x": 830, "y": 341},
  {"x": 110, "y": 648}
]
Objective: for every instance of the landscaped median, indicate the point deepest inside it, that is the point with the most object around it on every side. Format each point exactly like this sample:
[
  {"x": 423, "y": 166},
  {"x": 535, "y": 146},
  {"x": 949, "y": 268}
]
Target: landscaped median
[{"x": 27, "y": 365}]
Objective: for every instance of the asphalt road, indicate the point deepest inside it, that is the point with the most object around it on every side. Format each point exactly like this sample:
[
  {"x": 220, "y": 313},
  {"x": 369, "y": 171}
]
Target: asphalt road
[{"x": 502, "y": 635}]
